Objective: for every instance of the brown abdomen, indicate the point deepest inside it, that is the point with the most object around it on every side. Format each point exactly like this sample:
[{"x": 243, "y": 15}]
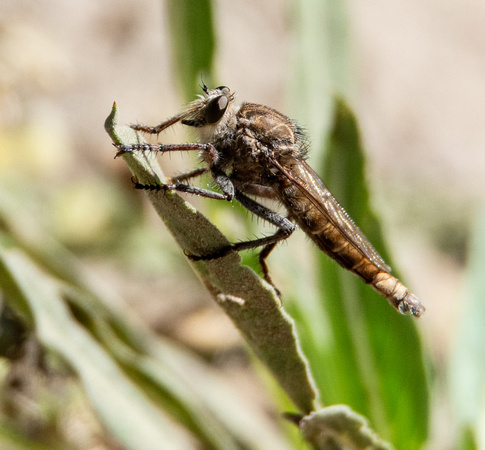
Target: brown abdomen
[{"x": 331, "y": 241}]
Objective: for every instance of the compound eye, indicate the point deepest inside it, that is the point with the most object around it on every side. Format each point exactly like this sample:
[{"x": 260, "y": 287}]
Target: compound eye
[
  {"x": 223, "y": 89},
  {"x": 215, "y": 109}
]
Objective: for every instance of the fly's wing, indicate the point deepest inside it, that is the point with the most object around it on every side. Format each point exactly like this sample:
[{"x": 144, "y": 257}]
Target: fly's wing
[{"x": 315, "y": 190}]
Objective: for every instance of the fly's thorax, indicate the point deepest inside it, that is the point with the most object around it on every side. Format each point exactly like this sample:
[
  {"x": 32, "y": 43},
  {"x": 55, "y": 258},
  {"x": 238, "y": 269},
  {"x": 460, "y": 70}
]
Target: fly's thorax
[{"x": 268, "y": 125}]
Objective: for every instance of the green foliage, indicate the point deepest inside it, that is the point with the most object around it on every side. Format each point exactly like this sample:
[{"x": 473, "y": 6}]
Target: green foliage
[{"x": 193, "y": 42}]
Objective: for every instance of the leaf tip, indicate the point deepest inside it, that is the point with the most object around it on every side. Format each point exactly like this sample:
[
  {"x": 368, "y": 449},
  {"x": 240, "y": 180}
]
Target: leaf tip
[{"x": 111, "y": 122}]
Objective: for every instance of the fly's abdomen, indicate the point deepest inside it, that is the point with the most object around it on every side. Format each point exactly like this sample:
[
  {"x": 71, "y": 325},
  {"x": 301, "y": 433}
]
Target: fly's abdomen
[
  {"x": 397, "y": 294},
  {"x": 331, "y": 241}
]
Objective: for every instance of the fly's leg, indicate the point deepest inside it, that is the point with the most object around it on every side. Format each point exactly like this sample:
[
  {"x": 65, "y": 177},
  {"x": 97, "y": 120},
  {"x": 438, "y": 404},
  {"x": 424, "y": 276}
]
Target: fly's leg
[
  {"x": 211, "y": 153},
  {"x": 285, "y": 229},
  {"x": 158, "y": 128},
  {"x": 185, "y": 188},
  {"x": 266, "y": 214},
  {"x": 262, "y": 262},
  {"x": 174, "y": 184},
  {"x": 189, "y": 175}
]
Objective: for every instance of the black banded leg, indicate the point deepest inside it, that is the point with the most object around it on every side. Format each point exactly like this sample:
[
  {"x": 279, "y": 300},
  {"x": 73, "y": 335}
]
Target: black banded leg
[
  {"x": 240, "y": 246},
  {"x": 181, "y": 188},
  {"x": 210, "y": 151}
]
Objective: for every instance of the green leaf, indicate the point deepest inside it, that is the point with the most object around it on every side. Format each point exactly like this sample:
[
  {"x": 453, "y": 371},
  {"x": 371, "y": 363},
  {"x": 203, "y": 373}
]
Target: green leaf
[
  {"x": 245, "y": 297},
  {"x": 371, "y": 357},
  {"x": 467, "y": 360},
  {"x": 193, "y": 42}
]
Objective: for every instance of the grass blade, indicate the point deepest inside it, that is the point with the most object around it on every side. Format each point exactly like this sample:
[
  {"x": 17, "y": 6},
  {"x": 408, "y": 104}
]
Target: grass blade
[{"x": 193, "y": 42}]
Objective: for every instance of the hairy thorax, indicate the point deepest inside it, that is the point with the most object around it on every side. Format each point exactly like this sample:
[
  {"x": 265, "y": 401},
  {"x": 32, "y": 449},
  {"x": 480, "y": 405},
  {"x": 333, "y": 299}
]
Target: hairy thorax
[{"x": 262, "y": 134}]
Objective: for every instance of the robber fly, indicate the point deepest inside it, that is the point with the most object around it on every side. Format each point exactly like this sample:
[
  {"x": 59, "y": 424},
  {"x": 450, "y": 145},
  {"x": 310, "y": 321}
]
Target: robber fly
[{"x": 253, "y": 150}]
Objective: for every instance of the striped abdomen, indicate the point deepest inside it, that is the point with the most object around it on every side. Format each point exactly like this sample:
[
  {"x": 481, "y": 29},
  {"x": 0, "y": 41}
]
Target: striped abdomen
[{"x": 321, "y": 217}]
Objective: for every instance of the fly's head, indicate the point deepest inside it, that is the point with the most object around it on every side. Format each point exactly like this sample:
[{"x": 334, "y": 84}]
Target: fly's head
[{"x": 212, "y": 114}]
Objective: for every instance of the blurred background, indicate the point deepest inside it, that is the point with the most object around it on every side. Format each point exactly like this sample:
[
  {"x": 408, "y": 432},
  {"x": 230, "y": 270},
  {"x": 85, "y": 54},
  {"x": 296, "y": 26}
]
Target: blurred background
[{"x": 413, "y": 73}]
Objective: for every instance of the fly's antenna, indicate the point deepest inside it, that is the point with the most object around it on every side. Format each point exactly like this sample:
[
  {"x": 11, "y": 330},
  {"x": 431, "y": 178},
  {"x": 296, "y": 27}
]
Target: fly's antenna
[{"x": 204, "y": 87}]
